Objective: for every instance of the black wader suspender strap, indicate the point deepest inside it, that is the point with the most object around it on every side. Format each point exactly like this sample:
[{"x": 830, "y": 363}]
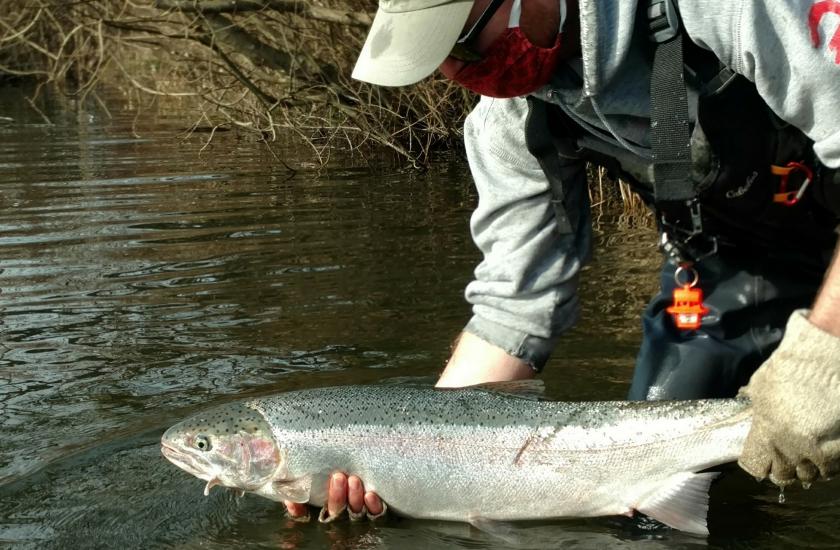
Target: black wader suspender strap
[
  {"x": 669, "y": 131},
  {"x": 675, "y": 197},
  {"x": 549, "y": 154}
]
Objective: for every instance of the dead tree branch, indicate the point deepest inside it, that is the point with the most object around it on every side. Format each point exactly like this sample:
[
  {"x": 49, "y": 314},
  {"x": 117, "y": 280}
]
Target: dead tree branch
[{"x": 296, "y": 7}]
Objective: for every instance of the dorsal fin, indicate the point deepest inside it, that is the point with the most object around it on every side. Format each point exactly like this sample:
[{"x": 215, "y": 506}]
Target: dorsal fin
[{"x": 526, "y": 389}]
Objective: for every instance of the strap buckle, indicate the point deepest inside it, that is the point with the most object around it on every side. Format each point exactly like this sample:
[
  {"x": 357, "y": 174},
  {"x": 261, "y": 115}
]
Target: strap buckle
[{"x": 663, "y": 20}]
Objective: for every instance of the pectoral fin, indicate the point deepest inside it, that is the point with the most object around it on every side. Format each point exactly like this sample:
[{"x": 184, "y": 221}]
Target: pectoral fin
[
  {"x": 501, "y": 530},
  {"x": 295, "y": 490},
  {"x": 682, "y": 502}
]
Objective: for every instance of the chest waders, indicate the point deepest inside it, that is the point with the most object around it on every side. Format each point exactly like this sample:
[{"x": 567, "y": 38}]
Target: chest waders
[{"x": 726, "y": 199}]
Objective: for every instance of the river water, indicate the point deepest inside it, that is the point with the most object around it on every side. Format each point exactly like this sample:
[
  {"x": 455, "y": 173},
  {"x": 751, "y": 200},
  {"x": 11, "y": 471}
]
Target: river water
[{"x": 145, "y": 275}]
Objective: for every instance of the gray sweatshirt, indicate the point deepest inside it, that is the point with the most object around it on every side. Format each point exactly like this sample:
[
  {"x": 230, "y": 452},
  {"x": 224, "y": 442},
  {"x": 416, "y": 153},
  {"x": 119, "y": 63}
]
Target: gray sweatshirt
[{"x": 524, "y": 292}]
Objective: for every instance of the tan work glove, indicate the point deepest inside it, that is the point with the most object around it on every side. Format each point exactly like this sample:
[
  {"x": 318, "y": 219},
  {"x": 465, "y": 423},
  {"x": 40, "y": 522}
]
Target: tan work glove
[{"x": 796, "y": 408}]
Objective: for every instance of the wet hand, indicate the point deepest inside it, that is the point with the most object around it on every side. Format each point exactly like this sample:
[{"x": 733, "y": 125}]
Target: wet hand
[
  {"x": 343, "y": 493},
  {"x": 795, "y": 432}
]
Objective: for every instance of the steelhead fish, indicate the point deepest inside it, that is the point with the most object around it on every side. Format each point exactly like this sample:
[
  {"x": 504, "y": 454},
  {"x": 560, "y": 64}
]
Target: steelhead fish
[{"x": 490, "y": 452}]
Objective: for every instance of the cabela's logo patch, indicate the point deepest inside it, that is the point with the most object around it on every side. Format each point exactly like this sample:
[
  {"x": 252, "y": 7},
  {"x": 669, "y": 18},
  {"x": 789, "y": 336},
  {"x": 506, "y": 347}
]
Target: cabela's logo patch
[{"x": 741, "y": 191}]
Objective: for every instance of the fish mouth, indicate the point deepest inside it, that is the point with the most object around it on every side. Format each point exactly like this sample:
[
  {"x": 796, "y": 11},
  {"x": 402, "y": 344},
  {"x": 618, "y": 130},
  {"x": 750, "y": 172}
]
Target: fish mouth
[
  {"x": 185, "y": 461},
  {"x": 182, "y": 460}
]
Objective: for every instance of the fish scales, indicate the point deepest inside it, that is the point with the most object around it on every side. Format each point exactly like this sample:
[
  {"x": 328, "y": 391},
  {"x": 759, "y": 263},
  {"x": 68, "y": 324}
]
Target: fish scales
[
  {"x": 385, "y": 434},
  {"x": 473, "y": 453}
]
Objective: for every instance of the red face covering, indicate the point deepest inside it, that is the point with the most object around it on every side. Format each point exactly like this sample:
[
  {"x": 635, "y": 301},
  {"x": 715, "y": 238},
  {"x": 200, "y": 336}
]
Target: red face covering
[{"x": 512, "y": 66}]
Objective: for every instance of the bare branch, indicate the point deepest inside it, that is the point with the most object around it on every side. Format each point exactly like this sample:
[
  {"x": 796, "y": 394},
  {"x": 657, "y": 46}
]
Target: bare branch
[
  {"x": 266, "y": 99},
  {"x": 296, "y": 7},
  {"x": 24, "y": 30}
]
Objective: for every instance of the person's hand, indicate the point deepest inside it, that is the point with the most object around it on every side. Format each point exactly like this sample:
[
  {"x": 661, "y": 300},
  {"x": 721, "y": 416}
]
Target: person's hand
[
  {"x": 795, "y": 395},
  {"x": 343, "y": 492}
]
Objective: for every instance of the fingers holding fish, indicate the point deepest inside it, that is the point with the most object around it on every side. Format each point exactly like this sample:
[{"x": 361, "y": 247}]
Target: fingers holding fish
[
  {"x": 375, "y": 507},
  {"x": 343, "y": 492},
  {"x": 297, "y": 511},
  {"x": 363, "y": 504},
  {"x": 337, "y": 499},
  {"x": 355, "y": 495},
  {"x": 349, "y": 492}
]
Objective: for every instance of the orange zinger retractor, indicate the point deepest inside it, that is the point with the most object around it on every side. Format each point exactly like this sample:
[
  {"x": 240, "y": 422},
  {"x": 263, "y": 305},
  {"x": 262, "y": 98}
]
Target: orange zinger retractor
[
  {"x": 687, "y": 309},
  {"x": 786, "y": 196}
]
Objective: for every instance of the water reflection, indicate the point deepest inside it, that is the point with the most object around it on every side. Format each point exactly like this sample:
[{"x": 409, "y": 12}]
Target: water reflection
[{"x": 144, "y": 278}]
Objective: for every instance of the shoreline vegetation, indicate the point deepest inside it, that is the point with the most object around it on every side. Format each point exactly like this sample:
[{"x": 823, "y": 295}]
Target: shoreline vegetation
[
  {"x": 267, "y": 67},
  {"x": 262, "y": 66}
]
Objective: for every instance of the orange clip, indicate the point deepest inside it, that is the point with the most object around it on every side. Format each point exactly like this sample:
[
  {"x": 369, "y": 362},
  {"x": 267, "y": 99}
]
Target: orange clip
[{"x": 789, "y": 198}]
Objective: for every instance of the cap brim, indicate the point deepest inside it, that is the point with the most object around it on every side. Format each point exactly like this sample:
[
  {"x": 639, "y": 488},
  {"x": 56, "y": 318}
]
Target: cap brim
[{"x": 402, "y": 48}]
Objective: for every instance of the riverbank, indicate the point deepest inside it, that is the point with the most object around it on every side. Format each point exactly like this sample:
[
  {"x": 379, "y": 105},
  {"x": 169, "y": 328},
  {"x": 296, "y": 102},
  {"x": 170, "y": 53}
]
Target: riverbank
[{"x": 265, "y": 67}]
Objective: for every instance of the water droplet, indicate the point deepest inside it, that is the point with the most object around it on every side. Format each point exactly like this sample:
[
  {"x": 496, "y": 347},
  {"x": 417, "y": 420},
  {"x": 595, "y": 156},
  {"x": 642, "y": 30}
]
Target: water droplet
[
  {"x": 759, "y": 479},
  {"x": 781, "y": 495},
  {"x": 806, "y": 485}
]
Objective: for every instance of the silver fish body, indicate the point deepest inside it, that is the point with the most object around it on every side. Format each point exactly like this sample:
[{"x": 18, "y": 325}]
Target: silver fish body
[{"x": 475, "y": 454}]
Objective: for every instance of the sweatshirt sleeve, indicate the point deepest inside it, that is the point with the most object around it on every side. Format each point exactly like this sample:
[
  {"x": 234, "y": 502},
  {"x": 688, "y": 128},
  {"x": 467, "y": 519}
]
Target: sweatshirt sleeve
[
  {"x": 525, "y": 289},
  {"x": 790, "y": 49}
]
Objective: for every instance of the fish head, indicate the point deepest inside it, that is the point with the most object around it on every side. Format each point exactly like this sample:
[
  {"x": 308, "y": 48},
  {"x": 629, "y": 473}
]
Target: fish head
[{"x": 232, "y": 445}]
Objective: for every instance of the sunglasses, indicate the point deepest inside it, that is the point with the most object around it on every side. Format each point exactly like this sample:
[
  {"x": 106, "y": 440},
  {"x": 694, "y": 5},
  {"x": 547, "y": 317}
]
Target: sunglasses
[{"x": 463, "y": 50}]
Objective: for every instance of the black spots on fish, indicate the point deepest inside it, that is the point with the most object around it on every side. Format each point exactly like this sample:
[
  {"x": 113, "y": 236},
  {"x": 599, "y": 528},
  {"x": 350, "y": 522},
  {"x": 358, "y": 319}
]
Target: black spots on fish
[{"x": 228, "y": 420}]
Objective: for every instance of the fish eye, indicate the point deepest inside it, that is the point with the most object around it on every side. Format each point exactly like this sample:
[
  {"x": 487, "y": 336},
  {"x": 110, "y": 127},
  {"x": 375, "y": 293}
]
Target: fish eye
[{"x": 202, "y": 442}]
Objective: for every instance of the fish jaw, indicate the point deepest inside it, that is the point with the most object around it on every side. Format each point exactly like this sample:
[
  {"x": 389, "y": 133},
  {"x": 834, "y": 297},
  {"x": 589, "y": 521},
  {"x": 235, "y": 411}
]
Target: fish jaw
[
  {"x": 189, "y": 462},
  {"x": 231, "y": 445}
]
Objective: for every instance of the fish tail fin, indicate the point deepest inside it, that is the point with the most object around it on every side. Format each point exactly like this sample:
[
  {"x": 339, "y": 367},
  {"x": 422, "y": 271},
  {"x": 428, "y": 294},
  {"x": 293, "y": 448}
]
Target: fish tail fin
[{"x": 682, "y": 502}]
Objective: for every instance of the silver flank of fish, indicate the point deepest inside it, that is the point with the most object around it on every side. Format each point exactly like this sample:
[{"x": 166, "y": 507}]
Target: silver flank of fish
[{"x": 476, "y": 454}]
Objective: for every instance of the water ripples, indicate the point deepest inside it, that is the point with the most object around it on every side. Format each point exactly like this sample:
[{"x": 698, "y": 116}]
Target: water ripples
[
  {"x": 147, "y": 274},
  {"x": 144, "y": 278}
]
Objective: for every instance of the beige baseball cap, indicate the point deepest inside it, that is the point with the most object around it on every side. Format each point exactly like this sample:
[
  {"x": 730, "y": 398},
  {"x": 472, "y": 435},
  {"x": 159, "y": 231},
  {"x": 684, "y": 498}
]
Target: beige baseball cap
[{"x": 409, "y": 39}]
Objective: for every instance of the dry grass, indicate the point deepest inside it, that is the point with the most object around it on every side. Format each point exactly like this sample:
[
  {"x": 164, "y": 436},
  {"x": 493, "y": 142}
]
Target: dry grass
[{"x": 605, "y": 195}]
